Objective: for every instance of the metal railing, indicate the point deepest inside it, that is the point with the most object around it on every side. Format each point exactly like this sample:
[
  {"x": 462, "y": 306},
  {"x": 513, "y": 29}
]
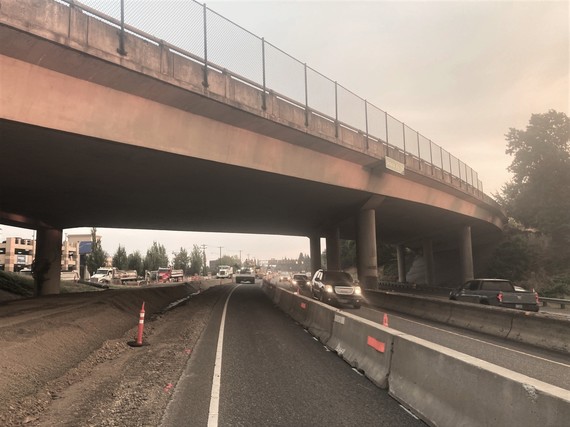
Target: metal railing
[
  {"x": 561, "y": 302},
  {"x": 221, "y": 44}
]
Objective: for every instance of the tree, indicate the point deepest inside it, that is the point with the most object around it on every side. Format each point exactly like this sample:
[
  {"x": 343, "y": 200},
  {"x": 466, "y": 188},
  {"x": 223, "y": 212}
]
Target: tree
[
  {"x": 539, "y": 194},
  {"x": 155, "y": 257},
  {"x": 98, "y": 256},
  {"x": 513, "y": 257},
  {"x": 196, "y": 260},
  {"x": 135, "y": 262},
  {"x": 347, "y": 254},
  {"x": 304, "y": 262},
  {"x": 120, "y": 259},
  {"x": 232, "y": 261},
  {"x": 181, "y": 260},
  {"x": 387, "y": 261}
]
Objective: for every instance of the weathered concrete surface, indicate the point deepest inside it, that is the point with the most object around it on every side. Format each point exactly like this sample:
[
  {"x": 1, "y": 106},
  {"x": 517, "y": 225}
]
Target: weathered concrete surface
[{"x": 449, "y": 388}]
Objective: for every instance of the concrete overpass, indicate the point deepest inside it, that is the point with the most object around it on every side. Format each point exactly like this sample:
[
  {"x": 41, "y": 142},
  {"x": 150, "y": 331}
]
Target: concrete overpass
[{"x": 101, "y": 127}]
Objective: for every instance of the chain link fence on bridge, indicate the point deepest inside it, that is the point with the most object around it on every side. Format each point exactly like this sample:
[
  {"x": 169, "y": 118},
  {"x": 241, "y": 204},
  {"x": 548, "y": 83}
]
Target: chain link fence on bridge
[{"x": 221, "y": 44}]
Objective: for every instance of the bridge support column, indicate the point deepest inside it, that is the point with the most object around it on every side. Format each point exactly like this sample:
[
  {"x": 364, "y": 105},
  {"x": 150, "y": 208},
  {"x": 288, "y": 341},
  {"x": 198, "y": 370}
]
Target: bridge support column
[
  {"x": 315, "y": 243},
  {"x": 466, "y": 254},
  {"x": 429, "y": 262},
  {"x": 333, "y": 249},
  {"x": 401, "y": 256},
  {"x": 367, "y": 261},
  {"x": 47, "y": 261}
]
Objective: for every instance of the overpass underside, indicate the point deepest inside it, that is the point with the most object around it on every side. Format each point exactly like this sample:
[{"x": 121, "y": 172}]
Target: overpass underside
[
  {"x": 65, "y": 180},
  {"x": 92, "y": 138}
]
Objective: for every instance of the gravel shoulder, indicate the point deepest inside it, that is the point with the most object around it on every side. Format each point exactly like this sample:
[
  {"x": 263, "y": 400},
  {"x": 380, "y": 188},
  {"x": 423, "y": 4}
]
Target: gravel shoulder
[{"x": 65, "y": 361}]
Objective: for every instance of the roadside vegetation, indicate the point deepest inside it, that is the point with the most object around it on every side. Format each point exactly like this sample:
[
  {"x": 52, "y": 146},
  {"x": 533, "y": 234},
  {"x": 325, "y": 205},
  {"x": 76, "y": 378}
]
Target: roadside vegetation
[{"x": 535, "y": 250}]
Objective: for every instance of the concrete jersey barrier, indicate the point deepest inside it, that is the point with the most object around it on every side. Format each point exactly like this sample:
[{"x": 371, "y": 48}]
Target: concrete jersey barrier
[
  {"x": 547, "y": 331},
  {"x": 450, "y": 388},
  {"x": 364, "y": 345},
  {"x": 443, "y": 386}
]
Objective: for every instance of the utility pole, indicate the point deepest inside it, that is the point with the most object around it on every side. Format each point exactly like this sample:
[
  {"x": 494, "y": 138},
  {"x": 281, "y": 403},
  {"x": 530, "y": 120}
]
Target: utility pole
[{"x": 204, "y": 256}]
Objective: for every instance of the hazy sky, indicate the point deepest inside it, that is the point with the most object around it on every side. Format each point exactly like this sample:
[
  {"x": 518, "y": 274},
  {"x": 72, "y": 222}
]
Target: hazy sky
[{"x": 460, "y": 72}]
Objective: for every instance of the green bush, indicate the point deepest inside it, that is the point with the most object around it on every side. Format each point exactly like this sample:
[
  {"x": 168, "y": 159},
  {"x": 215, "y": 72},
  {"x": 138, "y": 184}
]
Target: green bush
[{"x": 559, "y": 287}]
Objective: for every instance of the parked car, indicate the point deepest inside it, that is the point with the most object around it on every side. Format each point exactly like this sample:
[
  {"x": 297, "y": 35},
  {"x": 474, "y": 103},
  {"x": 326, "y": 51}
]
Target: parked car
[
  {"x": 497, "y": 292},
  {"x": 336, "y": 287}
]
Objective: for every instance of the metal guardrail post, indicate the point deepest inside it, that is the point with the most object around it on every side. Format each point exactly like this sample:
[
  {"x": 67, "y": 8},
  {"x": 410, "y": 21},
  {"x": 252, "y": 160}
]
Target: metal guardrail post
[
  {"x": 366, "y": 119},
  {"x": 430, "y": 156},
  {"x": 419, "y": 152},
  {"x": 336, "y": 109},
  {"x": 459, "y": 164},
  {"x": 386, "y": 119},
  {"x": 205, "y": 82},
  {"x": 306, "y": 98},
  {"x": 263, "y": 96},
  {"x": 121, "y": 50},
  {"x": 441, "y": 155},
  {"x": 404, "y": 140}
]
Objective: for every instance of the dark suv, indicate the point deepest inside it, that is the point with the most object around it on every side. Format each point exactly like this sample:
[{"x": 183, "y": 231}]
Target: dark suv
[
  {"x": 300, "y": 280},
  {"x": 332, "y": 286}
]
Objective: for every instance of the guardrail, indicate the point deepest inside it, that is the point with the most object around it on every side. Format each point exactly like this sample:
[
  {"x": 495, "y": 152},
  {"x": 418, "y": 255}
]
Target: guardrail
[
  {"x": 562, "y": 302},
  {"x": 223, "y": 46},
  {"x": 412, "y": 287}
]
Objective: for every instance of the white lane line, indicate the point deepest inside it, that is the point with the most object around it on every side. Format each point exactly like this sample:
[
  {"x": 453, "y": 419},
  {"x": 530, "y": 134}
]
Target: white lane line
[
  {"x": 215, "y": 395},
  {"x": 481, "y": 341},
  {"x": 358, "y": 372},
  {"x": 409, "y": 412}
]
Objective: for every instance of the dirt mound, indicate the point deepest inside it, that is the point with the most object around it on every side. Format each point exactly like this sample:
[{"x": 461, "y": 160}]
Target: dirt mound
[{"x": 74, "y": 345}]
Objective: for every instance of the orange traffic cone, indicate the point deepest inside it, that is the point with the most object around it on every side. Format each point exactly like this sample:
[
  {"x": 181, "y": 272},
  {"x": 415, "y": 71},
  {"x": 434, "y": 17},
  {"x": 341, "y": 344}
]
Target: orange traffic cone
[
  {"x": 139, "y": 340},
  {"x": 385, "y": 320}
]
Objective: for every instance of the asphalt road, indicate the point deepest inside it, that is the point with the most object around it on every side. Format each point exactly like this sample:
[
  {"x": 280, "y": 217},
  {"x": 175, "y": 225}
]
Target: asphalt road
[{"x": 274, "y": 373}]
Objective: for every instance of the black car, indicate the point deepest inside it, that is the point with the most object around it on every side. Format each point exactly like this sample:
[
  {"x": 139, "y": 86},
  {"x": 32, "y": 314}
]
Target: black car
[
  {"x": 336, "y": 287},
  {"x": 300, "y": 280}
]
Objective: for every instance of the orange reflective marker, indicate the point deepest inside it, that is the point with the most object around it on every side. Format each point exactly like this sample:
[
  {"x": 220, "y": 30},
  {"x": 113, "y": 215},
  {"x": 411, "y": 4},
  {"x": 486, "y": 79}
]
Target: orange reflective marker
[{"x": 375, "y": 344}]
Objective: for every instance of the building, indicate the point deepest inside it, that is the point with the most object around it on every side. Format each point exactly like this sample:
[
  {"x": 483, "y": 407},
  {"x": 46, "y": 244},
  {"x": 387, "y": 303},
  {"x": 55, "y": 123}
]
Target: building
[{"x": 17, "y": 253}]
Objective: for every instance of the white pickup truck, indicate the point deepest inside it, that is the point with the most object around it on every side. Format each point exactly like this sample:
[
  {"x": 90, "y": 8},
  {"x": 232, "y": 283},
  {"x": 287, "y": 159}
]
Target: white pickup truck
[{"x": 245, "y": 275}]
